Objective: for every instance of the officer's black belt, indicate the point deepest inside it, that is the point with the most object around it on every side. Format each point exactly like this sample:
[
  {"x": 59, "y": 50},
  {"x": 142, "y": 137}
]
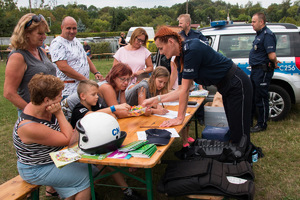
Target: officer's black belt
[
  {"x": 262, "y": 66},
  {"x": 228, "y": 76}
]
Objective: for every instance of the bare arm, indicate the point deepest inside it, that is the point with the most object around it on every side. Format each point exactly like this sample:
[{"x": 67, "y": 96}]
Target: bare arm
[
  {"x": 14, "y": 74},
  {"x": 149, "y": 67},
  {"x": 273, "y": 58},
  {"x": 69, "y": 71},
  {"x": 107, "y": 92},
  {"x": 115, "y": 62},
  {"x": 173, "y": 75},
  {"x": 41, "y": 134},
  {"x": 183, "y": 99}
]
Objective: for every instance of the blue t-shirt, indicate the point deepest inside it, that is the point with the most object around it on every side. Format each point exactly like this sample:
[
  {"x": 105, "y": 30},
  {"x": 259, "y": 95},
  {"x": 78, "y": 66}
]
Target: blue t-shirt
[
  {"x": 203, "y": 64},
  {"x": 263, "y": 44}
]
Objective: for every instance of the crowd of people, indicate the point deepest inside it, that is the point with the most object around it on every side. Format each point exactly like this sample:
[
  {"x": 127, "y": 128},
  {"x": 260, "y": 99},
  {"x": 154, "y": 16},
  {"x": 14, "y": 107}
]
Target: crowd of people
[{"x": 39, "y": 88}]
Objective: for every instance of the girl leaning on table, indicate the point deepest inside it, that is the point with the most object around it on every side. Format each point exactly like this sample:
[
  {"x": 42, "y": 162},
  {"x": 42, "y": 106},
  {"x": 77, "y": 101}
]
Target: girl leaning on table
[
  {"x": 157, "y": 84},
  {"x": 42, "y": 128}
]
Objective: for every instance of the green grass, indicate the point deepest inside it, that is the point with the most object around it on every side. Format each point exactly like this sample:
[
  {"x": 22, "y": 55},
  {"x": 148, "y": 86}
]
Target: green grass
[{"x": 277, "y": 174}]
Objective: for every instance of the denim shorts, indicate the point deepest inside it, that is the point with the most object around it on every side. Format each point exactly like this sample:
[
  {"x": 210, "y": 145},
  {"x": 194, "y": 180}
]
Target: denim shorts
[{"x": 67, "y": 181}]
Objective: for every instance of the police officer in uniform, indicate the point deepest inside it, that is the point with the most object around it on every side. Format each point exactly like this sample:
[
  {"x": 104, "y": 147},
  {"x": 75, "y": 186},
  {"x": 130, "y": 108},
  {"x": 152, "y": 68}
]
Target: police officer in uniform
[
  {"x": 200, "y": 63},
  {"x": 263, "y": 61}
]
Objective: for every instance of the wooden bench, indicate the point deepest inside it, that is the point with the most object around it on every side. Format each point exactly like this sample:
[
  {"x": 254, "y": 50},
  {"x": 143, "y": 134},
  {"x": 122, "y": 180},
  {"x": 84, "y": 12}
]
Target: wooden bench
[
  {"x": 205, "y": 197},
  {"x": 17, "y": 188}
]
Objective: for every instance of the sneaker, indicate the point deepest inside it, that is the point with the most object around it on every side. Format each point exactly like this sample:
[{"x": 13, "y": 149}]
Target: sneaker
[{"x": 133, "y": 196}]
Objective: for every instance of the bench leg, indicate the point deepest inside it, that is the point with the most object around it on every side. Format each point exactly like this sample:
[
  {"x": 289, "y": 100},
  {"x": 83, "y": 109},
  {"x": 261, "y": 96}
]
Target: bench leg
[{"x": 35, "y": 195}]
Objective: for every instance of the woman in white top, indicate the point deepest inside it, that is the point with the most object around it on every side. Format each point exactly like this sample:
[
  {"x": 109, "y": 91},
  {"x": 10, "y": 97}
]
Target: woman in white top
[{"x": 135, "y": 54}]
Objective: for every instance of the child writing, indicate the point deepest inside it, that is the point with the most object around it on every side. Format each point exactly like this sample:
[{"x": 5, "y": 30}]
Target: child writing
[{"x": 157, "y": 84}]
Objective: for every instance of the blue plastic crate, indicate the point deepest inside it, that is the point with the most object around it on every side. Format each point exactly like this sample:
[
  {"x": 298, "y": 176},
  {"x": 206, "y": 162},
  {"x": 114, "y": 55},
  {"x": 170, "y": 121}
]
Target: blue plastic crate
[{"x": 216, "y": 133}]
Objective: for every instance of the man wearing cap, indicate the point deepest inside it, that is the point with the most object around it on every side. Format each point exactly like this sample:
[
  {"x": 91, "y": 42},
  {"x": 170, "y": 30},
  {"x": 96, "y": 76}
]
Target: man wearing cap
[
  {"x": 73, "y": 65},
  {"x": 263, "y": 61}
]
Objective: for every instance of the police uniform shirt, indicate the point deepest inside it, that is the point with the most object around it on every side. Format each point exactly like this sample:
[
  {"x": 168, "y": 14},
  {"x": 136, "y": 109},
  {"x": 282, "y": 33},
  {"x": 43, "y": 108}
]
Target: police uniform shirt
[
  {"x": 203, "y": 64},
  {"x": 193, "y": 34},
  {"x": 79, "y": 112},
  {"x": 263, "y": 44}
]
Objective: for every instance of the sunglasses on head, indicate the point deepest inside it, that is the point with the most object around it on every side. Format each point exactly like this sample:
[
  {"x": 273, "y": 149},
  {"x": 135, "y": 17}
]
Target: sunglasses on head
[{"x": 36, "y": 18}]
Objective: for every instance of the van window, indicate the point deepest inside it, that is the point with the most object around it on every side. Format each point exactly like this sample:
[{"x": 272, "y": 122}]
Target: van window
[
  {"x": 239, "y": 46},
  {"x": 283, "y": 47}
]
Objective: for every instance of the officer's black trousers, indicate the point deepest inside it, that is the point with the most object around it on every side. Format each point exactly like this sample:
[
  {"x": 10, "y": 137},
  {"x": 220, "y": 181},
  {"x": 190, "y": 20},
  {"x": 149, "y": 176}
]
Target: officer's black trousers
[
  {"x": 237, "y": 99},
  {"x": 261, "y": 80}
]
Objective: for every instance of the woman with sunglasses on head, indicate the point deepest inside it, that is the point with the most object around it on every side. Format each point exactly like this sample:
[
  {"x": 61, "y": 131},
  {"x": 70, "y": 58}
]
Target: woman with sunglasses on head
[
  {"x": 112, "y": 89},
  {"x": 200, "y": 63},
  {"x": 135, "y": 54},
  {"x": 26, "y": 59},
  {"x": 157, "y": 84}
]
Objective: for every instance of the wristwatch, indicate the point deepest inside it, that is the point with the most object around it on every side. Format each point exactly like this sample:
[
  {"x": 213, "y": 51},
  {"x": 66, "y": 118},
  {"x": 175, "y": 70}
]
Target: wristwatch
[{"x": 97, "y": 73}]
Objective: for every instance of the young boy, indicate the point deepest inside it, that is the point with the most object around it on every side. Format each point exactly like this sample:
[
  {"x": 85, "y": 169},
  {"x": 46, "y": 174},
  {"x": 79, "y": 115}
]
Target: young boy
[{"x": 88, "y": 94}]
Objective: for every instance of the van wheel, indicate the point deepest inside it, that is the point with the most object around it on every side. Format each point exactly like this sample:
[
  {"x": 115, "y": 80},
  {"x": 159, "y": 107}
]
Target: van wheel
[{"x": 279, "y": 103}]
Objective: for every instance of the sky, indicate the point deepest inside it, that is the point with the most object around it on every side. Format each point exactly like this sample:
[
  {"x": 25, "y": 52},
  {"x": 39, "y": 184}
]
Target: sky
[{"x": 141, "y": 3}]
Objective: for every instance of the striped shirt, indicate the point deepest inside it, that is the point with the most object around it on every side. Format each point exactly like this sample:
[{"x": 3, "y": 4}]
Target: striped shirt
[{"x": 34, "y": 154}]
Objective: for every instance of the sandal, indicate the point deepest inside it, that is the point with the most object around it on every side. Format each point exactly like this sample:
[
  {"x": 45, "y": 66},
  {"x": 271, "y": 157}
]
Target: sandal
[{"x": 51, "y": 194}]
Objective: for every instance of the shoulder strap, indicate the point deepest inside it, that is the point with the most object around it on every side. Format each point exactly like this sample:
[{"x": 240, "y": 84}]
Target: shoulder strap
[{"x": 26, "y": 123}]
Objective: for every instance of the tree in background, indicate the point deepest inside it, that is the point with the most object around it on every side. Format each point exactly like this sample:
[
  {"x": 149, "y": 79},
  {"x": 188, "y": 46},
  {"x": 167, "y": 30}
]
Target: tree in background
[
  {"x": 122, "y": 18},
  {"x": 80, "y": 26}
]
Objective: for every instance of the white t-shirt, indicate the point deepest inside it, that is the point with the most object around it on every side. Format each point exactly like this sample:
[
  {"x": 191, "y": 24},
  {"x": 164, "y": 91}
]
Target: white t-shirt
[{"x": 74, "y": 54}]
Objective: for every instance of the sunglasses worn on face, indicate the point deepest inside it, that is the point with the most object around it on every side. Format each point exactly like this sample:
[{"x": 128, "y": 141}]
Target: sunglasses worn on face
[
  {"x": 36, "y": 18},
  {"x": 140, "y": 41}
]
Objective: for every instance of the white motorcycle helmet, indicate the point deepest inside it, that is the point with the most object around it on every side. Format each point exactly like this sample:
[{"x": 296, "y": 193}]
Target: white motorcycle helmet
[{"x": 99, "y": 133}]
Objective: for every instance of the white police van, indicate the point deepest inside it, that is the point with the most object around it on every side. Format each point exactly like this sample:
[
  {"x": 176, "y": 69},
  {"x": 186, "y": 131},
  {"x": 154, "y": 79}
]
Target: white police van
[{"x": 235, "y": 42}]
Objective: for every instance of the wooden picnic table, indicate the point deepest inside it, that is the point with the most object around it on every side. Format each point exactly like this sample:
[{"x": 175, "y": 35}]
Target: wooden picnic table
[{"x": 131, "y": 126}]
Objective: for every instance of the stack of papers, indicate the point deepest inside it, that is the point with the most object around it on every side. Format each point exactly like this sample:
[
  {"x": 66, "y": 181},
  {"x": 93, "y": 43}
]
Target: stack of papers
[
  {"x": 132, "y": 146},
  {"x": 199, "y": 93},
  {"x": 145, "y": 151}
]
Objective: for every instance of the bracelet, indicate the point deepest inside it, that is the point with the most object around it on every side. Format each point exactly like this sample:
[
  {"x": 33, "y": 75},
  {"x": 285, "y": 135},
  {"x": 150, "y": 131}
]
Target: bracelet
[
  {"x": 158, "y": 98},
  {"x": 113, "y": 109},
  {"x": 97, "y": 73}
]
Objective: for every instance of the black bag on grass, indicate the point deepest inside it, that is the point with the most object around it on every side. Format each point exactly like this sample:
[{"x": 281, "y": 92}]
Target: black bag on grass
[{"x": 208, "y": 176}]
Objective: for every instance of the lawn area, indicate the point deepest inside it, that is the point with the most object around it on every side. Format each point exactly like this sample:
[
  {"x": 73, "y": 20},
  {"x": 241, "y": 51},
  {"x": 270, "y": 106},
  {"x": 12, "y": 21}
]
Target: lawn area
[{"x": 277, "y": 174}]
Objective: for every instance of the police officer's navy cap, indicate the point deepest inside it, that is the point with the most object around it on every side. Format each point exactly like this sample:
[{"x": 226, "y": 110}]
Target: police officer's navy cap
[{"x": 158, "y": 136}]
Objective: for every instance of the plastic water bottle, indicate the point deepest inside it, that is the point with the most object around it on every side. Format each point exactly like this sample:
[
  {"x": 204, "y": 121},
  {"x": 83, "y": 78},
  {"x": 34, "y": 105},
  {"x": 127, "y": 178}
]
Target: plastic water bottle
[
  {"x": 196, "y": 86},
  {"x": 254, "y": 156}
]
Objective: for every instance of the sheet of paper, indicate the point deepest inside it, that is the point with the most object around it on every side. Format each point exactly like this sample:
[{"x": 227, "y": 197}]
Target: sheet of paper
[
  {"x": 143, "y": 136},
  {"x": 171, "y": 114},
  {"x": 174, "y": 103}
]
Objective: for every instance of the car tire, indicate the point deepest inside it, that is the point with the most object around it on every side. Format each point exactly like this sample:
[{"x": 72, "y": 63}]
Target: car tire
[{"x": 279, "y": 103}]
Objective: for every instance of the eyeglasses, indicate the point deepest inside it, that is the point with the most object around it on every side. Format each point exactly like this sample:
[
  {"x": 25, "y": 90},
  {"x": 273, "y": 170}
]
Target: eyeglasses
[
  {"x": 36, "y": 18},
  {"x": 140, "y": 41},
  {"x": 125, "y": 79}
]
